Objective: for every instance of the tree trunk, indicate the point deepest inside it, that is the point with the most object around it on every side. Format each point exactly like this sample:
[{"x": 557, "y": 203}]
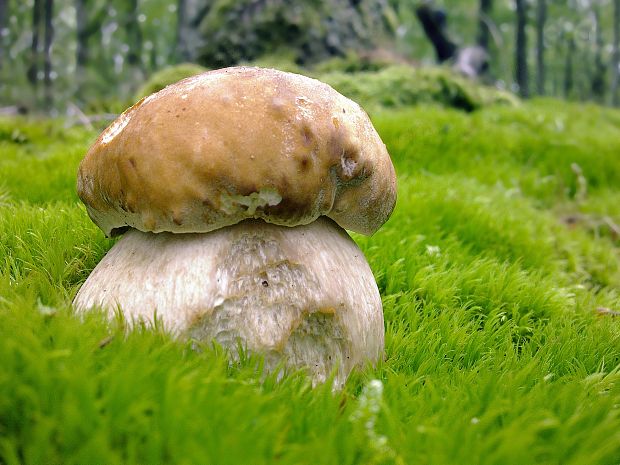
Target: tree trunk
[
  {"x": 541, "y": 18},
  {"x": 597, "y": 83},
  {"x": 190, "y": 14},
  {"x": 484, "y": 32},
  {"x": 583, "y": 81},
  {"x": 33, "y": 68},
  {"x": 521, "y": 73},
  {"x": 181, "y": 49},
  {"x": 47, "y": 52},
  {"x": 85, "y": 29},
  {"x": 615, "y": 99},
  {"x": 201, "y": 12},
  {"x": 433, "y": 22},
  {"x": 134, "y": 37},
  {"x": 568, "y": 66},
  {"x": 4, "y": 10},
  {"x": 81, "y": 53}
]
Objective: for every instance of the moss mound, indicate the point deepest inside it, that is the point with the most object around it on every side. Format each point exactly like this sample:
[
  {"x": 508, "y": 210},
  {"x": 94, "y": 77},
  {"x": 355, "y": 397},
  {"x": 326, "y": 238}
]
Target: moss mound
[
  {"x": 233, "y": 31},
  {"x": 283, "y": 59},
  {"x": 167, "y": 76},
  {"x": 372, "y": 83},
  {"x": 355, "y": 62},
  {"x": 401, "y": 86}
]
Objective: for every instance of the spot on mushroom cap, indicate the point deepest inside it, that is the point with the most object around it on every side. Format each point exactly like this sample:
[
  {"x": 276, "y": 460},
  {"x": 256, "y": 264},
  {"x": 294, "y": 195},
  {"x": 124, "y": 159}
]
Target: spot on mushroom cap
[{"x": 237, "y": 143}]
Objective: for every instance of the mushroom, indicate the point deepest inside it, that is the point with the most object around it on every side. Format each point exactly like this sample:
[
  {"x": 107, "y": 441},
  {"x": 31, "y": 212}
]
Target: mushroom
[{"x": 233, "y": 189}]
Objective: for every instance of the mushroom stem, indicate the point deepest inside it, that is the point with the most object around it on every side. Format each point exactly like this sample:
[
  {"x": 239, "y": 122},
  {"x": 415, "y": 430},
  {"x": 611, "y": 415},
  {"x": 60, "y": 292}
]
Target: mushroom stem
[{"x": 303, "y": 295}]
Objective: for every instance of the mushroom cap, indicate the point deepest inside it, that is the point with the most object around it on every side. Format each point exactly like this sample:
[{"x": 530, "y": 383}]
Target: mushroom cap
[{"x": 237, "y": 143}]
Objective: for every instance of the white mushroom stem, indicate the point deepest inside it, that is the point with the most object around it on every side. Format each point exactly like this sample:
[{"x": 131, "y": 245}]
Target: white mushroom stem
[{"x": 305, "y": 295}]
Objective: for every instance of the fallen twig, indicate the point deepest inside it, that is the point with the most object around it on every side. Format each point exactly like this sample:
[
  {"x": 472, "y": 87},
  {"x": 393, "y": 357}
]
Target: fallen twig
[
  {"x": 85, "y": 120},
  {"x": 607, "y": 312}
]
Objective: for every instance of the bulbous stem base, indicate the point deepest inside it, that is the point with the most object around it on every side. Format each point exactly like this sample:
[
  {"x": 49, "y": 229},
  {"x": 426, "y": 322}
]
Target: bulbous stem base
[{"x": 302, "y": 295}]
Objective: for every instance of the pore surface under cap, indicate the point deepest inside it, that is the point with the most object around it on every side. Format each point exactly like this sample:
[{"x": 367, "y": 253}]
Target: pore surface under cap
[{"x": 237, "y": 143}]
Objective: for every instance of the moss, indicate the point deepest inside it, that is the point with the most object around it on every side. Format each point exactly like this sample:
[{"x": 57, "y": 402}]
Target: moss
[
  {"x": 355, "y": 62},
  {"x": 373, "y": 80},
  {"x": 500, "y": 341},
  {"x": 167, "y": 76},
  {"x": 401, "y": 85},
  {"x": 244, "y": 30},
  {"x": 282, "y": 59}
]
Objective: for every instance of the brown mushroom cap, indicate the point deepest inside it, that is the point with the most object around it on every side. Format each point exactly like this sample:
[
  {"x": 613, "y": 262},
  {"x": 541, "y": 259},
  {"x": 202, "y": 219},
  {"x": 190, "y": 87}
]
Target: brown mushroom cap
[{"x": 237, "y": 143}]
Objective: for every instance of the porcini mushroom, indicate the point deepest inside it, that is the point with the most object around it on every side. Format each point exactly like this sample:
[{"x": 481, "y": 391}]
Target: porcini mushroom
[{"x": 234, "y": 189}]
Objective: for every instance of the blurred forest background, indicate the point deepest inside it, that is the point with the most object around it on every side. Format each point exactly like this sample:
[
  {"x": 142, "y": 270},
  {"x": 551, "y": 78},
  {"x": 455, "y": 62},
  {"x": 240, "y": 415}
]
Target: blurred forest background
[{"x": 67, "y": 56}]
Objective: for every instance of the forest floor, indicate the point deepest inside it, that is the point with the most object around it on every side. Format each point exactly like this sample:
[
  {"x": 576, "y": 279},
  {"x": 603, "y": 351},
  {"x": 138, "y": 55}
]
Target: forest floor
[{"x": 500, "y": 277}]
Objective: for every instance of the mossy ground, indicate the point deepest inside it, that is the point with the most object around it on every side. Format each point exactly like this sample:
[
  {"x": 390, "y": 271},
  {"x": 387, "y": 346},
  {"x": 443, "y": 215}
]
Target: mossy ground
[
  {"x": 373, "y": 83},
  {"x": 498, "y": 272}
]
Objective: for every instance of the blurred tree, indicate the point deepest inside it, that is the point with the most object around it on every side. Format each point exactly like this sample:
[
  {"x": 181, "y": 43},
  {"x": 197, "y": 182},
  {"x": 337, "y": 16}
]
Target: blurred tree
[
  {"x": 190, "y": 14},
  {"x": 541, "y": 18},
  {"x": 181, "y": 49},
  {"x": 134, "y": 38},
  {"x": 47, "y": 51},
  {"x": 433, "y": 21},
  {"x": 86, "y": 28},
  {"x": 568, "y": 62},
  {"x": 40, "y": 57},
  {"x": 3, "y": 27},
  {"x": 521, "y": 73},
  {"x": 597, "y": 81},
  {"x": 615, "y": 99},
  {"x": 33, "y": 69},
  {"x": 484, "y": 21}
]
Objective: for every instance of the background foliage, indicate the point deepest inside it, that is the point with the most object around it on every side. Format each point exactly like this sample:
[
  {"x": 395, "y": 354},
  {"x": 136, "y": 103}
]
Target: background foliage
[{"x": 103, "y": 50}]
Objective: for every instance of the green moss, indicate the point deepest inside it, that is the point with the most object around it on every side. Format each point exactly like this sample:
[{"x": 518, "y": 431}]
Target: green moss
[
  {"x": 373, "y": 81},
  {"x": 497, "y": 351},
  {"x": 282, "y": 59},
  {"x": 354, "y": 62},
  {"x": 244, "y": 30},
  {"x": 400, "y": 86},
  {"x": 167, "y": 76}
]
